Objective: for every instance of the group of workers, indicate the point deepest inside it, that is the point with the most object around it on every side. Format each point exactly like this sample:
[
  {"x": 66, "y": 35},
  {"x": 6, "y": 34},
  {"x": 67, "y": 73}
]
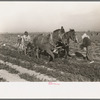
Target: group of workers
[{"x": 86, "y": 43}]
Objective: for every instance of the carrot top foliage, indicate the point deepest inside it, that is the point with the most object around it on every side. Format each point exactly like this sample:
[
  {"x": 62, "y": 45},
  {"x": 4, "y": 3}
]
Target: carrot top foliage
[{"x": 77, "y": 69}]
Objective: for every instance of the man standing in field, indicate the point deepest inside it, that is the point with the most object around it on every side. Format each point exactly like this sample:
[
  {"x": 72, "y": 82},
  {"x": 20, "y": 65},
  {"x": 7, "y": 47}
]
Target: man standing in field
[
  {"x": 87, "y": 44},
  {"x": 61, "y": 32},
  {"x": 19, "y": 43},
  {"x": 26, "y": 39}
]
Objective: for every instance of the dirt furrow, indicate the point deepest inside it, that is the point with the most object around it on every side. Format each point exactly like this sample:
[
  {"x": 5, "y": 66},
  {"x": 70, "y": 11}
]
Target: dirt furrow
[
  {"x": 10, "y": 77},
  {"x": 28, "y": 63},
  {"x": 24, "y": 70},
  {"x": 59, "y": 75}
]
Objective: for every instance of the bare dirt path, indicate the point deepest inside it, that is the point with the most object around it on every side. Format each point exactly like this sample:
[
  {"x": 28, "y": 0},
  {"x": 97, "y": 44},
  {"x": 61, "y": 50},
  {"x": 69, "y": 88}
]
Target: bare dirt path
[{"x": 10, "y": 77}]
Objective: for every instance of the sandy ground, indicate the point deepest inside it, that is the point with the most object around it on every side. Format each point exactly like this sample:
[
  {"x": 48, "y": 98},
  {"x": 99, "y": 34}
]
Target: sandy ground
[
  {"x": 10, "y": 77},
  {"x": 24, "y": 70}
]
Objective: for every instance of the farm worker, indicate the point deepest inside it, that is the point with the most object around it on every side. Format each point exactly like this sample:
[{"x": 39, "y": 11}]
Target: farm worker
[
  {"x": 19, "y": 40},
  {"x": 26, "y": 39},
  {"x": 87, "y": 45},
  {"x": 62, "y": 32},
  {"x": 19, "y": 43}
]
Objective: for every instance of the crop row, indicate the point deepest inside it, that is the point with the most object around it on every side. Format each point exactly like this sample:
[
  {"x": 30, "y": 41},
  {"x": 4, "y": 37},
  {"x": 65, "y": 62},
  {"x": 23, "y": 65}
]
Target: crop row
[
  {"x": 43, "y": 70},
  {"x": 72, "y": 67}
]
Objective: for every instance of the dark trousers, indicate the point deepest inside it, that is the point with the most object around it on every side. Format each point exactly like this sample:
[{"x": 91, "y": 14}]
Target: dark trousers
[{"x": 89, "y": 53}]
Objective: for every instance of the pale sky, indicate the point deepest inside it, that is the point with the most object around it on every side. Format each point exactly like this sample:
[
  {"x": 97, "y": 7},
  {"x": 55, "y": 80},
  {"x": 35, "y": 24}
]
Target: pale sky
[{"x": 47, "y": 16}]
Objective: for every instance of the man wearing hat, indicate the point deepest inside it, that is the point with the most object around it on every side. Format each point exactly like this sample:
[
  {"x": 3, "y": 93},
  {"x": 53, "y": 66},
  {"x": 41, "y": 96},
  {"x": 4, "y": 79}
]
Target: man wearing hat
[{"x": 87, "y": 45}]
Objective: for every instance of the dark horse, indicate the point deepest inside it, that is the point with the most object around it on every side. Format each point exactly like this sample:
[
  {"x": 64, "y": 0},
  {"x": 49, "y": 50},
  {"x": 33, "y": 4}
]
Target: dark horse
[{"x": 63, "y": 39}]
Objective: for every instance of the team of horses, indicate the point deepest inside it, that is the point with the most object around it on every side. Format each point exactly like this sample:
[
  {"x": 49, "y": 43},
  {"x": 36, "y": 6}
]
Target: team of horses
[{"x": 53, "y": 44}]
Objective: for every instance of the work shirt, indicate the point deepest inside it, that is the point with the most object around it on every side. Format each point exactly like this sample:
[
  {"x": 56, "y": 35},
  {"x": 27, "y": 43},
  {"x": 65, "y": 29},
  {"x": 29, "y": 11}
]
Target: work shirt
[
  {"x": 26, "y": 40},
  {"x": 86, "y": 40}
]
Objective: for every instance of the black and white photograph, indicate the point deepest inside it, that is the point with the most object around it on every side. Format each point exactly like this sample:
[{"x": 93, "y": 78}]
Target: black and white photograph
[{"x": 49, "y": 41}]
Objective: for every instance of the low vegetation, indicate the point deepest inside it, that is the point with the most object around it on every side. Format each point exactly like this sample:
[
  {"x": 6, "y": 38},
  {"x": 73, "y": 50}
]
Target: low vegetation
[{"x": 70, "y": 69}]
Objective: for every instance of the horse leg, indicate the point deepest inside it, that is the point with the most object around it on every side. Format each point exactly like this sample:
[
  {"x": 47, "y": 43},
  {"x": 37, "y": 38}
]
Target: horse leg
[
  {"x": 26, "y": 50},
  {"x": 37, "y": 50},
  {"x": 67, "y": 51},
  {"x": 51, "y": 54},
  {"x": 37, "y": 53}
]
